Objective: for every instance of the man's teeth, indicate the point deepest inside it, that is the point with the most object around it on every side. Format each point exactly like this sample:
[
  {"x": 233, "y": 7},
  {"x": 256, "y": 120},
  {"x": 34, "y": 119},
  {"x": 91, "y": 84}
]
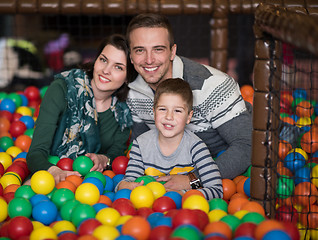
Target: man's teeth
[{"x": 151, "y": 69}]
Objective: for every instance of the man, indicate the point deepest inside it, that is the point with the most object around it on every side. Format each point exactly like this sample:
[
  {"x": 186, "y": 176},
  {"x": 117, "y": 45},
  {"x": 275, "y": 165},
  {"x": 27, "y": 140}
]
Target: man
[{"x": 220, "y": 118}]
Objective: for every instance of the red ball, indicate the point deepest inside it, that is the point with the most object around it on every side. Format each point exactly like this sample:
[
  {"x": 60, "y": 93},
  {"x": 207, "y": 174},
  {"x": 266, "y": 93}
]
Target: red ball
[
  {"x": 18, "y": 170},
  {"x": 1, "y": 170},
  {"x": 65, "y": 164},
  {"x": 4, "y": 229},
  {"x": 287, "y": 214},
  {"x": 22, "y": 164},
  {"x": 88, "y": 226},
  {"x": 1, "y": 190},
  {"x": 32, "y": 93},
  {"x": 8, "y": 196},
  {"x": 67, "y": 236},
  {"x": 203, "y": 218},
  {"x": 163, "y": 204},
  {"x": 17, "y": 128},
  {"x": 6, "y": 114},
  {"x": 160, "y": 233},
  {"x": 16, "y": 117},
  {"x": 245, "y": 229},
  {"x": 119, "y": 164},
  {"x": 292, "y": 230},
  {"x": 19, "y": 226},
  {"x": 124, "y": 206},
  {"x": 144, "y": 212},
  {"x": 185, "y": 216}
]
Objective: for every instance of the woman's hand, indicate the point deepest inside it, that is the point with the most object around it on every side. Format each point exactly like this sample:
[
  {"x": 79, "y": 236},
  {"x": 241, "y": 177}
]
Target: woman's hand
[
  {"x": 100, "y": 161},
  {"x": 60, "y": 175},
  {"x": 176, "y": 182},
  {"x": 129, "y": 185}
]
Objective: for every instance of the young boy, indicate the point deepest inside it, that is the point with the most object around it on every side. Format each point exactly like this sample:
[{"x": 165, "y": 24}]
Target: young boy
[{"x": 170, "y": 148}]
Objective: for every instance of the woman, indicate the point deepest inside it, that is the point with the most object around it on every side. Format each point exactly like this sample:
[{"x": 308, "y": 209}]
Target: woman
[{"x": 84, "y": 112}]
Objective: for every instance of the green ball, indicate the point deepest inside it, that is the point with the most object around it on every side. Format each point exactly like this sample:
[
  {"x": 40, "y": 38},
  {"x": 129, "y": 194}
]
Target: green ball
[
  {"x": 29, "y": 132},
  {"x": 67, "y": 209},
  {"x": 282, "y": 115},
  {"x": 19, "y": 207},
  {"x": 43, "y": 91},
  {"x": 6, "y": 142},
  {"x": 50, "y": 194},
  {"x": 61, "y": 196},
  {"x": 253, "y": 217},
  {"x": 187, "y": 232},
  {"x": 232, "y": 221},
  {"x": 295, "y": 102},
  {"x": 53, "y": 159},
  {"x": 147, "y": 179},
  {"x": 83, "y": 165},
  {"x": 97, "y": 175},
  {"x": 285, "y": 187},
  {"x": 3, "y": 95},
  {"x": 16, "y": 98},
  {"x": 218, "y": 203},
  {"x": 82, "y": 212},
  {"x": 248, "y": 172},
  {"x": 24, "y": 191}
]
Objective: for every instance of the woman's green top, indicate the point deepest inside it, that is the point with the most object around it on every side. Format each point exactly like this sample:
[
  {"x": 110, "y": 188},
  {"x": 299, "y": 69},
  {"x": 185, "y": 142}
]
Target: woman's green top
[{"x": 113, "y": 140}]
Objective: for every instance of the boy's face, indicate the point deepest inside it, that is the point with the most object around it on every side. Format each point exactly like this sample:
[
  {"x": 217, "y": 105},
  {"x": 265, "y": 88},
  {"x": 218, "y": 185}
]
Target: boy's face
[
  {"x": 171, "y": 115},
  {"x": 151, "y": 54}
]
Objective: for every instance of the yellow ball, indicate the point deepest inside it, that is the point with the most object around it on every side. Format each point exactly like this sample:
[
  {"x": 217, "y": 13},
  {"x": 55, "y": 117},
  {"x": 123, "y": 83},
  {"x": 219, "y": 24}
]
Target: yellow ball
[
  {"x": 300, "y": 151},
  {"x": 196, "y": 202},
  {"x": 303, "y": 121},
  {"x": 87, "y": 193},
  {"x": 314, "y": 175},
  {"x": 142, "y": 196},
  {"x": 4, "y": 210},
  {"x": 240, "y": 214},
  {"x": 157, "y": 189},
  {"x": 9, "y": 178},
  {"x": 43, "y": 233},
  {"x": 105, "y": 232},
  {"x": 5, "y": 160},
  {"x": 122, "y": 220},
  {"x": 24, "y": 111},
  {"x": 216, "y": 214},
  {"x": 62, "y": 226},
  {"x": 42, "y": 182},
  {"x": 108, "y": 216},
  {"x": 13, "y": 151},
  {"x": 37, "y": 224}
]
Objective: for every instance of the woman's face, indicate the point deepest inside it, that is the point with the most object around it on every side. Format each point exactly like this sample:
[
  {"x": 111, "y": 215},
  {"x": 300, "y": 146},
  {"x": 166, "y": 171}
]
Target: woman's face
[{"x": 110, "y": 69}]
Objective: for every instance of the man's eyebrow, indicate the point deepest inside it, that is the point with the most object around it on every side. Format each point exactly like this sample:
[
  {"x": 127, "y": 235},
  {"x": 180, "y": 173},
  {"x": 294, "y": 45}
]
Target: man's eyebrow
[{"x": 157, "y": 46}]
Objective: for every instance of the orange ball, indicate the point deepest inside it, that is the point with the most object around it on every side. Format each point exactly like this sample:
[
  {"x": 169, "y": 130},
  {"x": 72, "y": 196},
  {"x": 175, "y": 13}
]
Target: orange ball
[
  {"x": 76, "y": 180},
  {"x": 286, "y": 201},
  {"x": 247, "y": 91},
  {"x": 305, "y": 193},
  {"x": 253, "y": 206},
  {"x": 240, "y": 185},
  {"x": 66, "y": 184},
  {"x": 190, "y": 193},
  {"x": 283, "y": 148},
  {"x": 109, "y": 173},
  {"x": 4, "y": 124},
  {"x": 239, "y": 195},
  {"x": 5, "y": 134},
  {"x": 106, "y": 200},
  {"x": 137, "y": 227},
  {"x": 218, "y": 227},
  {"x": 288, "y": 120},
  {"x": 229, "y": 188},
  {"x": 238, "y": 178},
  {"x": 87, "y": 237},
  {"x": 309, "y": 141},
  {"x": 11, "y": 188},
  {"x": 309, "y": 216},
  {"x": 236, "y": 205},
  {"x": 304, "y": 109},
  {"x": 284, "y": 171},
  {"x": 23, "y": 142},
  {"x": 266, "y": 226}
]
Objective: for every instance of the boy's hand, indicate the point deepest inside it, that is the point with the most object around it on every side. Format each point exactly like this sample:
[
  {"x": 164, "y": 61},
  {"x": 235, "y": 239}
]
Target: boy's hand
[
  {"x": 176, "y": 182},
  {"x": 100, "y": 161},
  {"x": 129, "y": 185}
]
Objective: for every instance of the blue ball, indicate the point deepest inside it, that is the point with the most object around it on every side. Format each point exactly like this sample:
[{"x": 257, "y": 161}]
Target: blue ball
[
  {"x": 25, "y": 100},
  {"x": 38, "y": 198},
  {"x": 300, "y": 93},
  {"x": 122, "y": 193},
  {"x": 294, "y": 161},
  {"x": 99, "y": 206},
  {"x": 125, "y": 237},
  {"x": 21, "y": 155},
  {"x": 302, "y": 175},
  {"x": 163, "y": 221},
  {"x": 176, "y": 197},
  {"x": 8, "y": 105},
  {"x": 243, "y": 238},
  {"x": 111, "y": 195},
  {"x": 117, "y": 178},
  {"x": 45, "y": 212},
  {"x": 97, "y": 182},
  {"x": 276, "y": 234},
  {"x": 109, "y": 186},
  {"x": 154, "y": 217},
  {"x": 247, "y": 187},
  {"x": 28, "y": 121}
]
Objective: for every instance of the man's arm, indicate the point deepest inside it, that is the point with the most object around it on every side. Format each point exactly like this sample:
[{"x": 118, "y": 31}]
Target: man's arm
[{"x": 238, "y": 134}]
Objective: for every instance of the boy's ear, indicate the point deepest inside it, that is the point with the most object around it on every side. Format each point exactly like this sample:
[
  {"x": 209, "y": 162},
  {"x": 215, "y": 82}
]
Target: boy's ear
[{"x": 190, "y": 116}]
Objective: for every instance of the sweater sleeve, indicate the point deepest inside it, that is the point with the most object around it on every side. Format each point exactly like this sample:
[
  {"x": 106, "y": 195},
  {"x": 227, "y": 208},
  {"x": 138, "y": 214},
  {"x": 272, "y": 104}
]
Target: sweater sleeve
[
  {"x": 209, "y": 173},
  {"x": 52, "y": 107}
]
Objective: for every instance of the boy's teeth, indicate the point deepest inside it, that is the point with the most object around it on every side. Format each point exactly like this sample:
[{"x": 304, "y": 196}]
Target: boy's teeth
[{"x": 151, "y": 69}]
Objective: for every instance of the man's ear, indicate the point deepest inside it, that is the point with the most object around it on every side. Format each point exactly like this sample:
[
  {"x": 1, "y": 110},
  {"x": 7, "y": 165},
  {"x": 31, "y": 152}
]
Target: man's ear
[{"x": 173, "y": 52}]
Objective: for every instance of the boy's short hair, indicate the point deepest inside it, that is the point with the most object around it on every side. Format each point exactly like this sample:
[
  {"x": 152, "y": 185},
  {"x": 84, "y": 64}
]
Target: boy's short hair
[{"x": 175, "y": 86}]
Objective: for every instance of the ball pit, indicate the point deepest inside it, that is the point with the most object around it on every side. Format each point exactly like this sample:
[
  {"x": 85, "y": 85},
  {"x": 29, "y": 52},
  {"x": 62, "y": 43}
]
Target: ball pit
[{"x": 83, "y": 208}]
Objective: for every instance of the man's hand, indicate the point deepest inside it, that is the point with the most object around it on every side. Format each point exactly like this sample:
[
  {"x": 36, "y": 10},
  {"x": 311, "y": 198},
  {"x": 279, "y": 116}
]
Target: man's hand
[
  {"x": 60, "y": 175},
  {"x": 100, "y": 161},
  {"x": 176, "y": 182}
]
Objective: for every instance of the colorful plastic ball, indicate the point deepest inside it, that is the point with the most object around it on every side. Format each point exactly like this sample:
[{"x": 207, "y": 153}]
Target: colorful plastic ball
[
  {"x": 32, "y": 93},
  {"x": 314, "y": 175},
  {"x": 119, "y": 164},
  {"x": 106, "y": 232},
  {"x": 245, "y": 229},
  {"x": 24, "y": 191},
  {"x": 65, "y": 164},
  {"x": 23, "y": 142},
  {"x": 267, "y": 226},
  {"x": 147, "y": 179},
  {"x": 10, "y": 178},
  {"x": 28, "y": 121},
  {"x": 247, "y": 187},
  {"x": 83, "y": 165},
  {"x": 6, "y": 142},
  {"x": 305, "y": 194},
  {"x": 287, "y": 214},
  {"x": 285, "y": 187},
  {"x": 304, "y": 109},
  {"x": 4, "y": 210},
  {"x": 154, "y": 217},
  {"x": 87, "y": 193},
  {"x": 232, "y": 221},
  {"x": 142, "y": 196},
  {"x": 157, "y": 189},
  {"x": 13, "y": 151},
  {"x": 309, "y": 216},
  {"x": 216, "y": 214},
  {"x": 98, "y": 175},
  {"x": 7, "y": 105},
  {"x": 309, "y": 141},
  {"x": 276, "y": 234},
  {"x": 176, "y": 197},
  {"x": 67, "y": 209},
  {"x": 219, "y": 228},
  {"x": 67, "y": 235},
  {"x": 109, "y": 185},
  {"x": 5, "y": 160},
  {"x": 66, "y": 184},
  {"x": 122, "y": 193},
  {"x": 42, "y": 233},
  {"x": 53, "y": 159},
  {"x": 42, "y": 182},
  {"x": 96, "y": 182},
  {"x": 185, "y": 216},
  {"x": 187, "y": 232},
  {"x": 35, "y": 199},
  {"x": 253, "y": 217},
  {"x": 24, "y": 100},
  {"x": 108, "y": 216},
  {"x": 19, "y": 227},
  {"x": 99, "y": 206},
  {"x": 253, "y": 206},
  {"x": 29, "y": 132},
  {"x": 19, "y": 207},
  {"x": 124, "y": 207},
  {"x": 45, "y": 212},
  {"x": 294, "y": 160},
  {"x": 302, "y": 175},
  {"x": 292, "y": 230},
  {"x": 163, "y": 204},
  {"x": 229, "y": 188},
  {"x": 63, "y": 225},
  {"x": 218, "y": 203},
  {"x": 82, "y": 212},
  {"x": 236, "y": 204},
  {"x": 196, "y": 202},
  {"x": 117, "y": 178},
  {"x": 137, "y": 227},
  {"x": 88, "y": 226},
  {"x": 60, "y": 196},
  {"x": 160, "y": 232},
  {"x": 300, "y": 93},
  {"x": 17, "y": 128}
]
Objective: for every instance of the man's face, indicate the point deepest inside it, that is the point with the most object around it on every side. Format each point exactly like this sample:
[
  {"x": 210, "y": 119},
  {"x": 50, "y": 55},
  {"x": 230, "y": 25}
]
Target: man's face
[{"x": 151, "y": 54}]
